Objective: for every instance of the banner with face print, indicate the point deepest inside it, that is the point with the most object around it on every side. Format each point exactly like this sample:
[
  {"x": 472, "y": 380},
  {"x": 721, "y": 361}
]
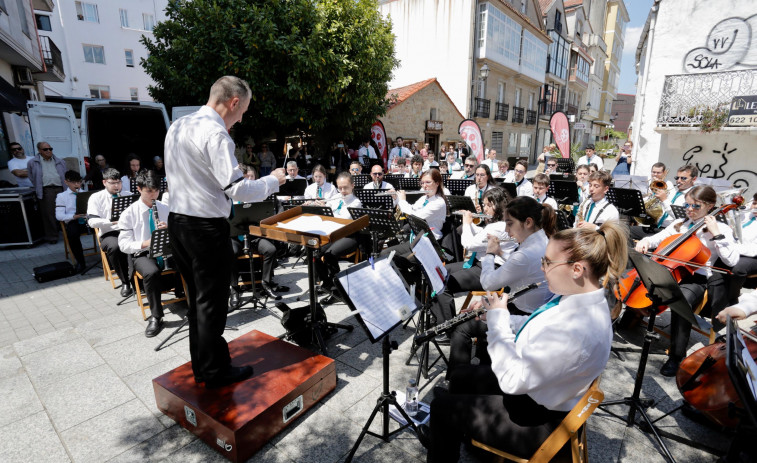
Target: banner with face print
[
  {"x": 561, "y": 132},
  {"x": 378, "y": 135},
  {"x": 470, "y": 132}
]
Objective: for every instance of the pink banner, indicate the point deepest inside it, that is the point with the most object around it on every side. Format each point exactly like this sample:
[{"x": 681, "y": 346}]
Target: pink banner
[
  {"x": 470, "y": 132},
  {"x": 561, "y": 132},
  {"x": 378, "y": 135}
]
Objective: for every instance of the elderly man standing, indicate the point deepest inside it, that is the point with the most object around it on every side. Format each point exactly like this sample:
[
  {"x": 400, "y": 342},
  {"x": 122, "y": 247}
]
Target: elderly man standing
[
  {"x": 47, "y": 173},
  {"x": 203, "y": 174}
]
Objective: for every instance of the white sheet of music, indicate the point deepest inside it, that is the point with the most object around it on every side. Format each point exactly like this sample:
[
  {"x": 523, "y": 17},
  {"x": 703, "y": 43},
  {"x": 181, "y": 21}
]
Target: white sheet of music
[
  {"x": 311, "y": 224},
  {"x": 379, "y": 295},
  {"x": 432, "y": 264}
]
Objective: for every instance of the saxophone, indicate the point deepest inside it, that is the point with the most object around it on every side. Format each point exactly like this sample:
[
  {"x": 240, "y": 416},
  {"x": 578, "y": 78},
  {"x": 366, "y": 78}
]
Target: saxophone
[
  {"x": 652, "y": 204},
  {"x": 581, "y": 208}
]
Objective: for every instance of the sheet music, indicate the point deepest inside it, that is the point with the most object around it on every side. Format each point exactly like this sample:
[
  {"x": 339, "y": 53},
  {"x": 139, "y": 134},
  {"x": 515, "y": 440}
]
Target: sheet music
[
  {"x": 379, "y": 295},
  {"x": 427, "y": 256},
  {"x": 311, "y": 224},
  {"x": 636, "y": 182}
]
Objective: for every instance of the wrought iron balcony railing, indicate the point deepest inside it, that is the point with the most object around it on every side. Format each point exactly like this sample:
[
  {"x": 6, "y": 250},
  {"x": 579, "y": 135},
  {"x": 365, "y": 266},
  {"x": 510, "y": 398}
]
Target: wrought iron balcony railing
[
  {"x": 686, "y": 97},
  {"x": 53, "y": 61},
  {"x": 501, "y": 110},
  {"x": 530, "y": 117},
  {"x": 482, "y": 107},
  {"x": 518, "y": 114}
]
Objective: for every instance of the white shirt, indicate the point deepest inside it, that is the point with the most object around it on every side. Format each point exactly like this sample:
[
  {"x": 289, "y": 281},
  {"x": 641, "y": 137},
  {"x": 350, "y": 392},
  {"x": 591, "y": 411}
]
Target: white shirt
[
  {"x": 126, "y": 184},
  {"x": 328, "y": 191},
  {"x": 596, "y": 160},
  {"x": 411, "y": 174},
  {"x": 475, "y": 239},
  {"x": 725, "y": 249},
  {"x": 675, "y": 198},
  {"x": 65, "y": 205},
  {"x": 526, "y": 188},
  {"x": 345, "y": 202},
  {"x": 372, "y": 186},
  {"x": 522, "y": 268},
  {"x": 363, "y": 152},
  {"x": 748, "y": 303},
  {"x": 492, "y": 164},
  {"x": 135, "y": 225},
  {"x": 472, "y": 192},
  {"x": 429, "y": 164},
  {"x": 603, "y": 212},
  {"x": 454, "y": 166},
  {"x": 98, "y": 211},
  {"x": 20, "y": 164},
  {"x": 558, "y": 353},
  {"x": 748, "y": 245},
  {"x": 434, "y": 212},
  {"x": 461, "y": 175},
  {"x": 509, "y": 176},
  {"x": 200, "y": 163},
  {"x": 547, "y": 200},
  {"x": 398, "y": 152}
]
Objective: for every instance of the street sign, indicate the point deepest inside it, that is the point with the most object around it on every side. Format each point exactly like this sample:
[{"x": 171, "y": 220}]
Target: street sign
[
  {"x": 579, "y": 126},
  {"x": 743, "y": 111}
]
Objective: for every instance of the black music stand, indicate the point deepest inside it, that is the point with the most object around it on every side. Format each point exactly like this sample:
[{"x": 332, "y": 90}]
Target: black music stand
[
  {"x": 663, "y": 291},
  {"x": 457, "y": 186},
  {"x": 565, "y": 165},
  {"x": 563, "y": 177},
  {"x": 381, "y": 224},
  {"x": 119, "y": 204},
  {"x": 510, "y": 188},
  {"x": 563, "y": 192},
  {"x": 163, "y": 185},
  {"x": 445, "y": 179},
  {"x": 361, "y": 180},
  {"x": 369, "y": 199},
  {"x": 409, "y": 184},
  {"x": 378, "y": 320},
  {"x": 290, "y": 203},
  {"x": 393, "y": 179},
  {"x": 460, "y": 203},
  {"x": 628, "y": 201},
  {"x": 133, "y": 187},
  {"x": 679, "y": 212},
  {"x": 738, "y": 370},
  {"x": 82, "y": 200},
  {"x": 293, "y": 187}
]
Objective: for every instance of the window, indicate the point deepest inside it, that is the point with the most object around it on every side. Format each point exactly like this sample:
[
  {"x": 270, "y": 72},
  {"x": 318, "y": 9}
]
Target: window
[
  {"x": 517, "y": 96},
  {"x": 43, "y": 22},
  {"x": 149, "y": 21},
  {"x": 129, "y": 55},
  {"x": 87, "y": 12},
  {"x": 503, "y": 37},
  {"x": 525, "y": 144},
  {"x": 531, "y": 98},
  {"x": 558, "y": 21},
  {"x": 99, "y": 91},
  {"x": 432, "y": 114},
  {"x": 582, "y": 69},
  {"x": 559, "y": 52},
  {"x": 512, "y": 144},
  {"x": 500, "y": 93},
  {"x": 497, "y": 141},
  {"x": 22, "y": 17},
  {"x": 124, "y": 17},
  {"x": 94, "y": 54},
  {"x": 533, "y": 56},
  {"x": 134, "y": 93},
  {"x": 481, "y": 88}
]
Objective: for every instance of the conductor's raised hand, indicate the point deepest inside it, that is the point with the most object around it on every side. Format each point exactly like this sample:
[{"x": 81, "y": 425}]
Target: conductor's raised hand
[{"x": 280, "y": 175}]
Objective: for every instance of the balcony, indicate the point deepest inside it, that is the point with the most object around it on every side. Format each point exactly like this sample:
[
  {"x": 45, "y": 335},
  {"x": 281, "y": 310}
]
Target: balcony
[
  {"x": 482, "y": 108},
  {"x": 530, "y": 117},
  {"x": 572, "y": 109},
  {"x": 501, "y": 111},
  {"x": 685, "y": 97},
  {"x": 518, "y": 114},
  {"x": 547, "y": 108},
  {"x": 575, "y": 78},
  {"x": 53, "y": 61}
]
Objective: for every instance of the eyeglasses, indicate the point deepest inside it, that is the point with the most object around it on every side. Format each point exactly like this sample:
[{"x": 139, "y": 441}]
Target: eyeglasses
[
  {"x": 520, "y": 171},
  {"x": 681, "y": 178},
  {"x": 469, "y": 165},
  {"x": 355, "y": 170},
  {"x": 551, "y": 165},
  {"x": 377, "y": 174},
  {"x": 545, "y": 263},
  {"x": 696, "y": 207},
  {"x": 113, "y": 182},
  {"x": 16, "y": 149},
  {"x": 430, "y": 182},
  {"x": 45, "y": 149}
]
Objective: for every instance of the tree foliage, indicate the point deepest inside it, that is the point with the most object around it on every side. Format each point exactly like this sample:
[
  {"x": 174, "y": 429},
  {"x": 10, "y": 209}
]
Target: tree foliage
[{"x": 314, "y": 66}]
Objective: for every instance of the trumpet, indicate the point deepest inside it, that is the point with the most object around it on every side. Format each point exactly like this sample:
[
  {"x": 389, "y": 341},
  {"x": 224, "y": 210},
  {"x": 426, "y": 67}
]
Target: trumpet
[{"x": 394, "y": 192}]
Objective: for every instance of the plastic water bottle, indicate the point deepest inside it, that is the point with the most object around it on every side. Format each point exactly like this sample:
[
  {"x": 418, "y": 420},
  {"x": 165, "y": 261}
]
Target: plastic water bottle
[{"x": 411, "y": 398}]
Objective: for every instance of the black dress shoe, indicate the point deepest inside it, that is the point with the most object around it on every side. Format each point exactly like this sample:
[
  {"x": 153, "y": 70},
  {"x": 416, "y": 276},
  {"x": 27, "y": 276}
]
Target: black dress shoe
[
  {"x": 280, "y": 288},
  {"x": 266, "y": 289},
  {"x": 154, "y": 326},
  {"x": 424, "y": 435},
  {"x": 126, "y": 290},
  {"x": 442, "y": 339},
  {"x": 670, "y": 368},
  {"x": 234, "y": 299},
  {"x": 230, "y": 376},
  {"x": 331, "y": 299}
]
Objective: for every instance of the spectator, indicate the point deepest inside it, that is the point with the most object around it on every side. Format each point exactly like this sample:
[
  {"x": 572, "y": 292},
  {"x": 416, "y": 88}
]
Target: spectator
[
  {"x": 48, "y": 175},
  {"x": 250, "y": 157},
  {"x": 157, "y": 163},
  {"x": 341, "y": 157},
  {"x": 94, "y": 178},
  {"x": 267, "y": 161},
  {"x": 133, "y": 166},
  {"x": 17, "y": 165},
  {"x": 590, "y": 158}
]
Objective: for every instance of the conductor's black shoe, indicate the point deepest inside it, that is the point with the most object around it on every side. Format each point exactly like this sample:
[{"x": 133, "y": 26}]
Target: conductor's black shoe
[
  {"x": 424, "y": 435},
  {"x": 266, "y": 289},
  {"x": 670, "y": 368},
  {"x": 234, "y": 299},
  {"x": 230, "y": 376},
  {"x": 442, "y": 339},
  {"x": 126, "y": 290},
  {"x": 154, "y": 326}
]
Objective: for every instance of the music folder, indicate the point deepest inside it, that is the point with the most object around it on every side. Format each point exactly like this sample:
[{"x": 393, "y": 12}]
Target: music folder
[
  {"x": 293, "y": 187},
  {"x": 82, "y": 199}
]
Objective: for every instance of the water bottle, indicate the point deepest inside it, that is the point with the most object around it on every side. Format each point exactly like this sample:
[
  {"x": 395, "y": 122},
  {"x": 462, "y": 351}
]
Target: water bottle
[{"x": 411, "y": 398}]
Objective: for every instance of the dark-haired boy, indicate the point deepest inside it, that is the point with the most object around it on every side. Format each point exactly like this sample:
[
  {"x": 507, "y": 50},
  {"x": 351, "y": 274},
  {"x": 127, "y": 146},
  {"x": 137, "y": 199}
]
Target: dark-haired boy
[
  {"x": 65, "y": 211},
  {"x": 597, "y": 210}
]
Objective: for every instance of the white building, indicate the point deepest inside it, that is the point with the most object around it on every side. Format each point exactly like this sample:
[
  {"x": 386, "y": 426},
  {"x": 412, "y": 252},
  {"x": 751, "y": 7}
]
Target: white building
[
  {"x": 100, "y": 44},
  {"x": 683, "y": 75}
]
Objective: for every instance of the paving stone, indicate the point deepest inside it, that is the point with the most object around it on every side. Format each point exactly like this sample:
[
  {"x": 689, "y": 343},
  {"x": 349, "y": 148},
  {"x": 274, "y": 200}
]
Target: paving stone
[
  {"x": 10, "y": 365},
  {"x": 157, "y": 448},
  {"x": 140, "y": 382},
  {"x": 132, "y": 354},
  {"x": 19, "y": 399},
  {"x": 37, "y": 344},
  {"x": 31, "y": 439},
  {"x": 56, "y": 363}
]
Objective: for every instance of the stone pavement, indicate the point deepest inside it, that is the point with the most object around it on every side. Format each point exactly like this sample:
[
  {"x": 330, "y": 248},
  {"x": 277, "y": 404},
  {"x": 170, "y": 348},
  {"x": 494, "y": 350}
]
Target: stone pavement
[{"x": 76, "y": 371}]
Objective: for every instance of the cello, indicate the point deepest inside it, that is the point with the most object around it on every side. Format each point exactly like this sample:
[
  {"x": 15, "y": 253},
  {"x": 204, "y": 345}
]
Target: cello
[{"x": 682, "y": 254}]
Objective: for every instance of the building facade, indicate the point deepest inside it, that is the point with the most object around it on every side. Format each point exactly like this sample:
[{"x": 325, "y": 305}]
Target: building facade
[
  {"x": 616, "y": 20},
  {"x": 623, "y": 106},
  {"x": 580, "y": 71},
  {"x": 554, "y": 93}
]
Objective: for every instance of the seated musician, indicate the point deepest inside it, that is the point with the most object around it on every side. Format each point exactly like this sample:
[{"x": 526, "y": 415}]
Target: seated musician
[
  {"x": 469, "y": 170},
  {"x": 746, "y": 306},
  {"x": 137, "y": 223},
  {"x": 523, "y": 186},
  {"x": 483, "y": 182},
  {"x": 65, "y": 211},
  {"x": 747, "y": 248},
  {"x": 504, "y": 172},
  {"x": 597, "y": 210},
  {"x": 540, "y": 365},
  {"x": 659, "y": 173},
  {"x": 444, "y": 167},
  {"x": 377, "y": 179},
  {"x": 541, "y": 186},
  {"x": 98, "y": 216},
  {"x": 320, "y": 188},
  {"x": 356, "y": 168},
  {"x": 685, "y": 178},
  {"x": 582, "y": 180},
  {"x": 329, "y": 266},
  {"x": 700, "y": 200},
  {"x": 416, "y": 167},
  {"x": 293, "y": 171}
]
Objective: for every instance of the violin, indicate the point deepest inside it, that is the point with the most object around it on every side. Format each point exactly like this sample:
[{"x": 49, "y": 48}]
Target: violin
[
  {"x": 682, "y": 254},
  {"x": 704, "y": 383}
]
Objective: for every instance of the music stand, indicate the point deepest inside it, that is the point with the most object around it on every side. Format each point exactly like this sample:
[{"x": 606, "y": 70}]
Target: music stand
[
  {"x": 381, "y": 300},
  {"x": 318, "y": 210},
  {"x": 563, "y": 177},
  {"x": 133, "y": 187},
  {"x": 510, "y": 188},
  {"x": 460, "y": 203},
  {"x": 368, "y": 198},
  {"x": 380, "y": 223},
  {"x": 361, "y": 180},
  {"x": 293, "y": 187},
  {"x": 565, "y": 165},
  {"x": 563, "y": 192},
  {"x": 679, "y": 212},
  {"x": 663, "y": 291},
  {"x": 409, "y": 184},
  {"x": 82, "y": 200},
  {"x": 393, "y": 179},
  {"x": 637, "y": 182},
  {"x": 119, "y": 204},
  {"x": 163, "y": 185},
  {"x": 457, "y": 186},
  {"x": 291, "y": 203},
  {"x": 628, "y": 201}
]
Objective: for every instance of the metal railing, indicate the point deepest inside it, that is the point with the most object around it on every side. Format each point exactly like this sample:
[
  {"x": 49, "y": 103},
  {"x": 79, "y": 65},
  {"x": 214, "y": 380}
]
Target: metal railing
[
  {"x": 501, "y": 110},
  {"x": 518, "y": 114},
  {"x": 547, "y": 108},
  {"x": 530, "y": 117},
  {"x": 51, "y": 54},
  {"x": 482, "y": 107},
  {"x": 572, "y": 109},
  {"x": 686, "y": 97}
]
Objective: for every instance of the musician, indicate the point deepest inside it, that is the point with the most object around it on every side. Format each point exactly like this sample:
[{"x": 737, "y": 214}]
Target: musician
[
  {"x": 523, "y": 186},
  {"x": 504, "y": 172},
  {"x": 719, "y": 239},
  {"x": 551, "y": 167},
  {"x": 416, "y": 166},
  {"x": 659, "y": 173},
  {"x": 597, "y": 210},
  {"x": 65, "y": 211},
  {"x": 582, "y": 180},
  {"x": 452, "y": 163},
  {"x": 320, "y": 189},
  {"x": 399, "y": 151},
  {"x": 137, "y": 222},
  {"x": 747, "y": 248},
  {"x": 98, "y": 216},
  {"x": 541, "y": 186},
  {"x": 685, "y": 179},
  {"x": 356, "y": 168},
  {"x": 293, "y": 171},
  {"x": 133, "y": 166},
  {"x": 469, "y": 169},
  {"x": 366, "y": 154},
  {"x": 590, "y": 158},
  {"x": 377, "y": 177},
  {"x": 483, "y": 182},
  {"x": 331, "y": 253},
  {"x": 491, "y": 161},
  {"x": 542, "y": 364},
  {"x": 746, "y": 306},
  {"x": 429, "y": 162}
]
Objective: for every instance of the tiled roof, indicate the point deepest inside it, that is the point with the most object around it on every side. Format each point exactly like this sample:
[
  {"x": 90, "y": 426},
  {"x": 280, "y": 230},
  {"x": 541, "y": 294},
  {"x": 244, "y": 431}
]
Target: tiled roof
[
  {"x": 544, "y": 5},
  {"x": 568, "y": 3},
  {"x": 403, "y": 93}
]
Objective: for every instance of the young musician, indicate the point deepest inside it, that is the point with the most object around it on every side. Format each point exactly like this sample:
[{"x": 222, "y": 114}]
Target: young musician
[
  {"x": 65, "y": 211},
  {"x": 320, "y": 189},
  {"x": 137, "y": 223},
  {"x": 582, "y": 180},
  {"x": 523, "y": 187},
  {"x": 429, "y": 162},
  {"x": 416, "y": 166},
  {"x": 504, "y": 172},
  {"x": 541, "y": 186},
  {"x": 133, "y": 165},
  {"x": 356, "y": 168},
  {"x": 597, "y": 210},
  {"x": 700, "y": 200},
  {"x": 98, "y": 216},
  {"x": 541, "y": 365},
  {"x": 747, "y": 248},
  {"x": 452, "y": 163},
  {"x": 746, "y": 306},
  {"x": 483, "y": 182}
]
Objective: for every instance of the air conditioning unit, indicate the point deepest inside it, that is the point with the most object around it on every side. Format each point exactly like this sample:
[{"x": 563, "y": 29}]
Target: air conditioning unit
[{"x": 23, "y": 75}]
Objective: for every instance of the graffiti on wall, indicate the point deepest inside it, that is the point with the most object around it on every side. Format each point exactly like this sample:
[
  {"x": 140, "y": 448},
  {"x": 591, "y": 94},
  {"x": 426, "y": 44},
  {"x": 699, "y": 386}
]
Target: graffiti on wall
[
  {"x": 731, "y": 44},
  {"x": 714, "y": 164}
]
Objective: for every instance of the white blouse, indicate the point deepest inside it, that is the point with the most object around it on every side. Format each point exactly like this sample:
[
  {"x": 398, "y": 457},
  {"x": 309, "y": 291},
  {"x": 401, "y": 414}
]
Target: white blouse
[
  {"x": 475, "y": 239},
  {"x": 434, "y": 212}
]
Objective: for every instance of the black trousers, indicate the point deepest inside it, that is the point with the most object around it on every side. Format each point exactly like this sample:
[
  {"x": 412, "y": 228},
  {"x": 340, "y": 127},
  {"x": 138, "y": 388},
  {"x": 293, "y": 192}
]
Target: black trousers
[
  {"x": 745, "y": 267},
  {"x": 47, "y": 212},
  {"x": 329, "y": 266},
  {"x": 202, "y": 251},
  {"x": 148, "y": 268},
  {"x": 477, "y": 408},
  {"x": 73, "y": 230},
  {"x": 117, "y": 259},
  {"x": 638, "y": 233},
  {"x": 460, "y": 279},
  {"x": 259, "y": 246}
]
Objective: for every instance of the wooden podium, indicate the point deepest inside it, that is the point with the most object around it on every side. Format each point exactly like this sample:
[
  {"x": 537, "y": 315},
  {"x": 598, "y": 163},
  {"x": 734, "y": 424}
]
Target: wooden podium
[
  {"x": 275, "y": 228},
  {"x": 238, "y": 419}
]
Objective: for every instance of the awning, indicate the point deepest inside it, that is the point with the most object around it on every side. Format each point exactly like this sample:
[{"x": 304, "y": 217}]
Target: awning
[{"x": 11, "y": 100}]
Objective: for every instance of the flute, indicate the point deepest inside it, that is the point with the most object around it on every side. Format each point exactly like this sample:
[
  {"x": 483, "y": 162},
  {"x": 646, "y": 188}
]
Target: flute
[
  {"x": 475, "y": 215},
  {"x": 465, "y": 316},
  {"x": 394, "y": 192}
]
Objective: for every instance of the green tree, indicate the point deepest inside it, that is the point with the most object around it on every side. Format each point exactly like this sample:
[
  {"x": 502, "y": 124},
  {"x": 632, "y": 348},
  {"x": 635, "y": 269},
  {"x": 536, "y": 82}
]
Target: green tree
[{"x": 314, "y": 66}]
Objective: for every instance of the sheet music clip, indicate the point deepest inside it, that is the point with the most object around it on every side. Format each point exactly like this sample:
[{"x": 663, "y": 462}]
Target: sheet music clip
[{"x": 405, "y": 312}]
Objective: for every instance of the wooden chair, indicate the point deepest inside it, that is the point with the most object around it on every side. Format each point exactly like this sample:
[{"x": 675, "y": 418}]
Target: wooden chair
[
  {"x": 142, "y": 296},
  {"x": 109, "y": 273},
  {"x": 572, "y": 428},
  {"x": 472, "y": 294},
  {"x": 67, "y": 245},
  {"x": 257, "y": 268}
]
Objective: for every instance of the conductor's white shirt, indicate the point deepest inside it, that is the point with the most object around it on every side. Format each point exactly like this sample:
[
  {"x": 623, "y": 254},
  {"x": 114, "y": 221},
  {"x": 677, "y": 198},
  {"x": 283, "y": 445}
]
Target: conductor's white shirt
[{"x": 202, "y": 169}]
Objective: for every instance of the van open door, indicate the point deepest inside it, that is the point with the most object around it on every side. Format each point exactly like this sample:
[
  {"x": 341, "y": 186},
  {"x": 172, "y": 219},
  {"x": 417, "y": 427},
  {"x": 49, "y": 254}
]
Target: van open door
[
  {"x": 181, "y": 111},
  {"x": 55, "y": 123}
]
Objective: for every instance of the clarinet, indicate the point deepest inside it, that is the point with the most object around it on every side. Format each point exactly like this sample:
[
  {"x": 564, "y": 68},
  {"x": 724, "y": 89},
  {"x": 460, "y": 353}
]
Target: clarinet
[
  {"x": 155, "y": 216},
  {"x": 465, "y": 316}
]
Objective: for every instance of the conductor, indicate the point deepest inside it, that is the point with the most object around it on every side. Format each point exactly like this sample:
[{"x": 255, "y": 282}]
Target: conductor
[{"x": 202, "y": 170}]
